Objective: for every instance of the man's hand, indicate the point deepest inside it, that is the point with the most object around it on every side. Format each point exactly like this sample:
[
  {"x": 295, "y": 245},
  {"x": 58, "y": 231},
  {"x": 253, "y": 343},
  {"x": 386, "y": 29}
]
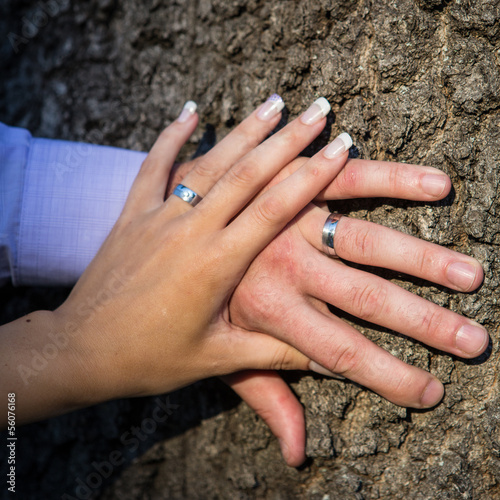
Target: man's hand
[{"x": 285, "y": 291}]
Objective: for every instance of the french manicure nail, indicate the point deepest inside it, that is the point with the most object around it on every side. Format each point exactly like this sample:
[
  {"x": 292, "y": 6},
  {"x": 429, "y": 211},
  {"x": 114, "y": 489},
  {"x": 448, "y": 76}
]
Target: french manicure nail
[
  {"x": 471, "y": 338},
  {"x": 315, "y": 367},
  {"x": 187, "y": 112},
  {"x": 341, "y": 144},
  {"x": 461, "y": 275},
  {"x": 433, "y": 393},
  {"x": 433, "y": 184},
  {"x": 317, "y": 110},
  {"x": 270, "y": 108}
]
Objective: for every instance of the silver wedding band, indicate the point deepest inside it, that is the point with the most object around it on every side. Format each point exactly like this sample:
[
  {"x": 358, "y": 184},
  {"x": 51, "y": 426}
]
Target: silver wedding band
[
  {"x": 187, "y": 195},
  {"x": 329, "y": 234}
]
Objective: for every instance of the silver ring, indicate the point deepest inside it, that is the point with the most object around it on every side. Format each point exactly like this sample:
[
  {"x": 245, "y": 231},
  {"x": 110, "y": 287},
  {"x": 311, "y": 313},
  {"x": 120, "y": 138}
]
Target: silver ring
[
  {"x": 186, "y": 194},
  {"x": 329, "y": 234}
]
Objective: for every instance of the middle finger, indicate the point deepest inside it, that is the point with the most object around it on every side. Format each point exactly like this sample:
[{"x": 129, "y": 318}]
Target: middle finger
[
  {"x": 210, "y": 167},
  {"x": 249, "y": 175},
  {"x": 379, "y": 301}
]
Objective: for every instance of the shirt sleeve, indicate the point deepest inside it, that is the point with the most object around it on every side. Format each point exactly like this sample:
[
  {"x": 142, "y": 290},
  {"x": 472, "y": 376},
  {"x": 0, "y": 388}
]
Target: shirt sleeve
[
  {"x": 69, "y": 196},
  {"x": 14, "y": 147}
]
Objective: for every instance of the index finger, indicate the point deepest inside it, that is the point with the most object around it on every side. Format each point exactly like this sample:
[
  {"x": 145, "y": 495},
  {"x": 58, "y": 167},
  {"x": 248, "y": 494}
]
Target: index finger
[
  {"x": 380, "y": 179},
  {"x": 371, "y": 179}
]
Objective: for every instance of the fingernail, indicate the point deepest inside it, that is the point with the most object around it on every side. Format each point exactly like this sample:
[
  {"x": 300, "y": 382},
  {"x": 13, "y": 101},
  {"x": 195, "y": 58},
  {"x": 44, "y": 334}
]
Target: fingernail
[
  {"x": 315, "y": 367},
  {"x": 187, "y": 112},
  {"x": 461, "y": 275},
  {"x": 270, "y": 108},
  {"x": 318, "y": 109},
  {"x": 471, "y": 338},
  {"x": 433, "y": 185},
  {"x": 433, "y": 393},
  {"x": 340, "y": 145}
]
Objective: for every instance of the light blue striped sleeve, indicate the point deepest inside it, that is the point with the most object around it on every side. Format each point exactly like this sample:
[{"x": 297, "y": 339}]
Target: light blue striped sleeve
[
  {"x": 14, "y": 148},
  {"x": 64, "y": 199}
]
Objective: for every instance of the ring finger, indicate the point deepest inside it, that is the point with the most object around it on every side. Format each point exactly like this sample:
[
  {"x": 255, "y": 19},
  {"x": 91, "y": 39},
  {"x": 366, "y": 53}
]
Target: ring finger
[
  {"x": 377, "y": 300},
  {"x": 367, "y": 243}
]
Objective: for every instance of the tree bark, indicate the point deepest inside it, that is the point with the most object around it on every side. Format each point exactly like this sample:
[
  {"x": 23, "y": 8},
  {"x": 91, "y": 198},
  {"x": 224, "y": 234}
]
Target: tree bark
[{"x": 415, "y": 81}]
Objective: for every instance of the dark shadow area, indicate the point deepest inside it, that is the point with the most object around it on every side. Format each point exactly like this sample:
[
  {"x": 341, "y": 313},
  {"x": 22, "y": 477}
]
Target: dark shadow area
[{"x": 90, "y": 439}]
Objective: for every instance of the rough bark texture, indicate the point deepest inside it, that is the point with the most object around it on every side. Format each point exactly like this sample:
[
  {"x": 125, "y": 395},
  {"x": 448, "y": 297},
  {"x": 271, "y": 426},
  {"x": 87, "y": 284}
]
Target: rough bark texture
[{"x": 412, "y": 80}]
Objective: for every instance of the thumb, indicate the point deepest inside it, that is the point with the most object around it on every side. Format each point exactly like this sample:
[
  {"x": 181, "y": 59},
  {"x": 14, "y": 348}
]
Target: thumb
[
  {"x": 271, "y": 398},
  {"x": 262, "y": 352}
]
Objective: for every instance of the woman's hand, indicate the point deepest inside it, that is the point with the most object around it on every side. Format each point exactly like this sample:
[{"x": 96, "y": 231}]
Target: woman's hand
[{"x": 150, "y": 314}]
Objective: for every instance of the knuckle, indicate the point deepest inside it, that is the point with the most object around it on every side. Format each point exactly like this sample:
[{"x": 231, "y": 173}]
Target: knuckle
[
  {"x": 356, "y": 239},
  {"x": 346, "y": 359},
  {"x": 364, "y": 242},
  {"x": 170, "y": 135},
  {"x": 147, "y": 165},
  {"x": 431, "y": 323},
  {"x": 205, "y": 168},
  {"x": 284, "y": 359},
  {"x": 395, "y": 176},
  {"x": 293, "y": 136},
  {"x": 165, "y": 134},
  {"x": 244, "y": 137},
  {"x": 369, "y": 300},
  {"x": 405, "y": 384},
  {"x": 422, "y": 260},
  {"x": 243, "y": 173},
  {"x": 268, "y": 211},
  {"x": 256, "y": 302}
]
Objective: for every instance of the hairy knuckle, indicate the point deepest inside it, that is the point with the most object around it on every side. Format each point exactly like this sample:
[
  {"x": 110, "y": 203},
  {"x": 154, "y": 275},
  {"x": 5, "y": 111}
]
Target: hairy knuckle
[
  {"x": 431, "y": 323},
  {"x": 345, "y": 359},
  {"x": 369, "y": 300}
]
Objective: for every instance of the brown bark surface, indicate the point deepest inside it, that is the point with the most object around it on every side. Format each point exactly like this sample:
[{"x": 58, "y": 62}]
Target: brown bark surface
[{"x": 416, "y": 81}]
